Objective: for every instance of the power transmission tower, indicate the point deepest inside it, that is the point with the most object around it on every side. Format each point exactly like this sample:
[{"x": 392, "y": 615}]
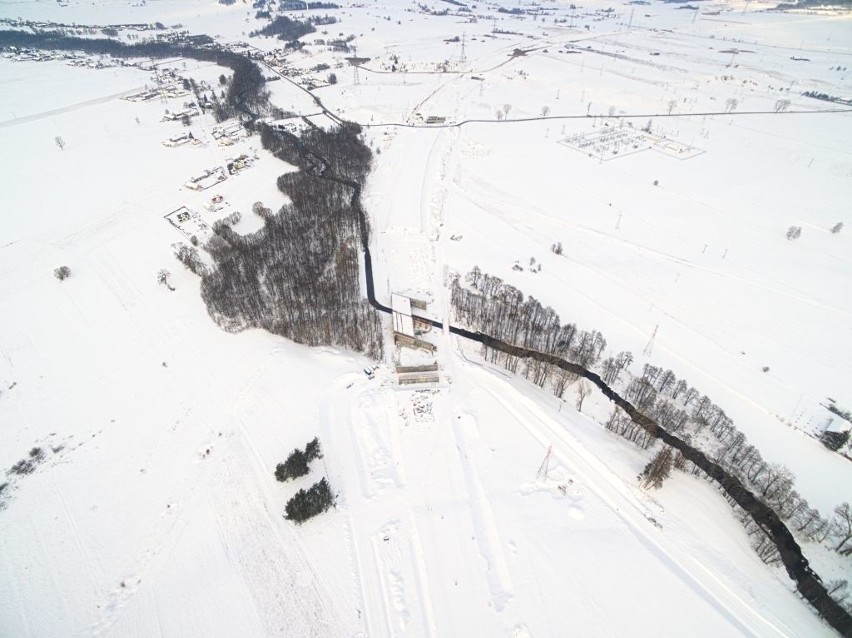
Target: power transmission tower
[
  {"x": 356, "y": 80},
  {"x": 649, "y": 347},
  {"x": 544, "y": 468},
  {"x": 159, "y": 81}
]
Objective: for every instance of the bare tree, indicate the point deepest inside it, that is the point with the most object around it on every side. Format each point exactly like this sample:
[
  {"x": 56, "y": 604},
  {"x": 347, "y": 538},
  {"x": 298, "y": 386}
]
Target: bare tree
[
  {"x": 837, "y": 228},
  {"x": 506, "y": 109},
  {"x": 794, "y": 232},
  {"x": 583, "y": 390},
  {"x": 658, "y": 469},
  {"x": 837, "y": 589},
  {"x": 561, "y": 381},
  {"x": 781, "y": 105},
  {"x": 163, "y": 279},
  {"x": 59, "y": 142},
  {"x": 63, "y": 272},
  {"x": 776, "y": 483},
  {"x": 545, "y": 110},
  {"x": 841, "y": 528}
]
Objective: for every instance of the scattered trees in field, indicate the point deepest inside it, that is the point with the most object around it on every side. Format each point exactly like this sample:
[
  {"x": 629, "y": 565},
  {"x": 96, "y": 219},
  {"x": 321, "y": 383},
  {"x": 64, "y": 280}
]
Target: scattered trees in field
[
  {"x": 61, "y": 273},
  {"x": 297, "y": 463},
  {"x": 307, "y": 504},
  {"x": 295, "y": 466},
  {"x": 313, "y": 450},
  {"x": 28, "y": 464}
]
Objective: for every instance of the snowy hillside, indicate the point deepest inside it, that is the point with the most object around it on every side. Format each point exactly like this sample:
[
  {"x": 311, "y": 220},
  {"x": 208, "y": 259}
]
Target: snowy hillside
[{"x": 669, "y": 151}]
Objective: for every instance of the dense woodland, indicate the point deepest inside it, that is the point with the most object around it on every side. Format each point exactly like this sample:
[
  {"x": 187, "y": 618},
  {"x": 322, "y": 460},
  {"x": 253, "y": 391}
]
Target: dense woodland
[
  {"x": 285, "y": 29},
  {"x": 299, "y": 275},
  {"x": 490, "y": 306}
]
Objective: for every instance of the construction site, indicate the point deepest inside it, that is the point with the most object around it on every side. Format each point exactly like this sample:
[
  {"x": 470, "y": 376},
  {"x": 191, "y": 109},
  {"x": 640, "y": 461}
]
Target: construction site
[{"x": 415, "y": 353}]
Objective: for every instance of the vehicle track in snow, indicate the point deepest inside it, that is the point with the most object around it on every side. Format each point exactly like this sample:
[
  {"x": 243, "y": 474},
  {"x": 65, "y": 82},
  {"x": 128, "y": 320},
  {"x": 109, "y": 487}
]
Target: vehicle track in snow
[
  {"x": 388, "y": 566},
  {"x": 624, "y": 502}
]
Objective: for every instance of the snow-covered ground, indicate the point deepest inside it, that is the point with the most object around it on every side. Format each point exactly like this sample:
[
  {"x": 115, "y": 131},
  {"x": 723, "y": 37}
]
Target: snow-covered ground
[{"x": 156, "y": 512}]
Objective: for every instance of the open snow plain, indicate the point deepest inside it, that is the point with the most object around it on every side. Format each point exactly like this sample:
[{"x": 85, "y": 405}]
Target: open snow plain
[{"x": 155, "y": 511}]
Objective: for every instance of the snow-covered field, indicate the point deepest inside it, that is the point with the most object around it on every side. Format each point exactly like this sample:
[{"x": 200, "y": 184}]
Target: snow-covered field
[{"x": 155, "y": 511}]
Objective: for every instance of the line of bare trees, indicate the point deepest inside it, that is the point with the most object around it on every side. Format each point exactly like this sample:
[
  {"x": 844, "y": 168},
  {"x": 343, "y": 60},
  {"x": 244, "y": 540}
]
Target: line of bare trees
[{"x": 490, "y": 306}]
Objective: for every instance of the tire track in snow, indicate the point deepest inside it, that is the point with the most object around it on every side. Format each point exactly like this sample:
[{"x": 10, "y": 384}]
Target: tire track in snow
[
  {"x": 612, "y": 491},
  {"x": 487, "y": 536},
  {"x": 387, "y": 565},
  {"x": 67, "y": 109}
]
